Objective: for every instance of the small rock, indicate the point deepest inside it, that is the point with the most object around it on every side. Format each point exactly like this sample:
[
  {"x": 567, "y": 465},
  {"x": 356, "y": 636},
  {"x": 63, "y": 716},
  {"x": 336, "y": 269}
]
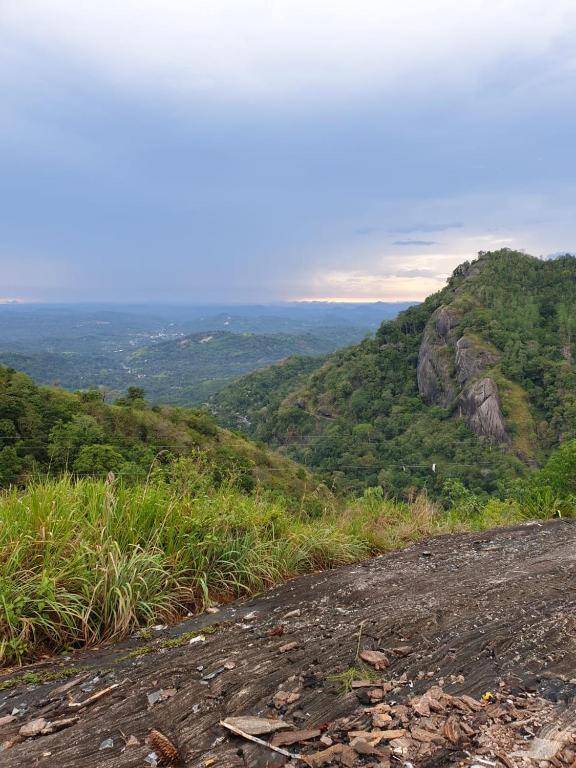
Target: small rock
[
  {"x": 153, "y": 698},
  {"x": 33, "y": 728},
  {"x": 132, "y": 742},
  {"x": 394, "y": 733},
  {"x": 402, "y": 650},
  {"x": 377, "y": 659},
  {"x": 381, "y": 720},
  {"x": 106, "y": 744},
  {"x": 285, "y": 698},
  {"x": 7, "y": 719},
  {"x": 288, "y": 647}
]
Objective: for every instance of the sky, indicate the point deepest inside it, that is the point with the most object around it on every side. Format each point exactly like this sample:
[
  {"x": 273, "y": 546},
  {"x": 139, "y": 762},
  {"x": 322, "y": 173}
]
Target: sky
[{"x": 271, "y": 150}]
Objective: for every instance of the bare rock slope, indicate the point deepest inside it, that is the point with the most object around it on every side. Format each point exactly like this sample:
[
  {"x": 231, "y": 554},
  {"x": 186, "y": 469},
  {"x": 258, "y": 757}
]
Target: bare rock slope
[
  {"x": 420, "y": 635},
  {"x": 451, "y": 373}
]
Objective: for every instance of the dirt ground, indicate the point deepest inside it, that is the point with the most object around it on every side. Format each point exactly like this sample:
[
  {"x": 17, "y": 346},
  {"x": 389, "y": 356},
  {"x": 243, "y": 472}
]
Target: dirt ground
[{"x": 490, "y": 614}]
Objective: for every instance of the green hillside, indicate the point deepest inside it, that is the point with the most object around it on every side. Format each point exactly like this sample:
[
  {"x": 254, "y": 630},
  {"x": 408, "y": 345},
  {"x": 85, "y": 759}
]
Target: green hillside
[
  {"x": 183, "y": 371},
  {"x": 244, "y": 403},
  {"x": 475, "y": 384},
  {"x": 46, "y": 430},
  {"x": 192, "y": 368}
]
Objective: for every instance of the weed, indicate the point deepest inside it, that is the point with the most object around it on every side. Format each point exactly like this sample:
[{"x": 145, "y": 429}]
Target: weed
[{"x": 350, "y": 675}]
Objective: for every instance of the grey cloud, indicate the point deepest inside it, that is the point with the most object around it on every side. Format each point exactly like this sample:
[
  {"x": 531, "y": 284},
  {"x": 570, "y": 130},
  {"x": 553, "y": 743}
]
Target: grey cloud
[{"x": 428, "y": 227}]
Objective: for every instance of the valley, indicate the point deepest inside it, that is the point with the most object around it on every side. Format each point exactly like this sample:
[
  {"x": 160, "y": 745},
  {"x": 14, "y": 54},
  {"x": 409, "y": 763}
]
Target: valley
[{"x": 180, "y": 354}]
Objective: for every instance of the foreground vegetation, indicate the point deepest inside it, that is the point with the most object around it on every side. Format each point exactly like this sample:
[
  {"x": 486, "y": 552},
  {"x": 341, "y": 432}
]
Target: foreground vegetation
[{"x": 87, "y": 560}]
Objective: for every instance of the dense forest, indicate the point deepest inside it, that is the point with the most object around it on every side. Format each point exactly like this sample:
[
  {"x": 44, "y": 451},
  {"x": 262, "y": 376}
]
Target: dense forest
[
  {"x": 46, "y": 430},
  {"x": 402, "y": 410}
]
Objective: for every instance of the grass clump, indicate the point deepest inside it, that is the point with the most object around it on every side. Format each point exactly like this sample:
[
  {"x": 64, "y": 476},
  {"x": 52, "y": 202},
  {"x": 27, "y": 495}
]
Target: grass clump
[
  {"x": 37, "y": 678},
  {"x": 352, "y": 674},
  {"x": 86, "y": 561}
]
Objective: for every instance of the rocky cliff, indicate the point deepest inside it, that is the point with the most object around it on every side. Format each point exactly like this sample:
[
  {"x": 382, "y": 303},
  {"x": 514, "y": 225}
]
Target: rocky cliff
[{"x": 451, "y": 368}]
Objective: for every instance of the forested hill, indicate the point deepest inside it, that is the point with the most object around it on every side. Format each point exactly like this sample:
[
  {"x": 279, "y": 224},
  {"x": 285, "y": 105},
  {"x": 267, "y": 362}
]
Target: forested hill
[
  {"x": 475, "y": 384},
  {"x": 46, "y": 430}
]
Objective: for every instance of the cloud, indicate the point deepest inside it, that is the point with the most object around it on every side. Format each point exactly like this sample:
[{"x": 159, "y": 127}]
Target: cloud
[
  {"x": 357, "y": 285},
  {"x": 427, "y": 228},
  {"x": 255, "y": 150},
  {"x": 295, "y": 48}
]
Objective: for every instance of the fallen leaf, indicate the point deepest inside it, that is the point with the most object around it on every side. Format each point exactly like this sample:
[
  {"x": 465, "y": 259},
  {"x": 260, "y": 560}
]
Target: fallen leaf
[{"x": 256, "y": 726}]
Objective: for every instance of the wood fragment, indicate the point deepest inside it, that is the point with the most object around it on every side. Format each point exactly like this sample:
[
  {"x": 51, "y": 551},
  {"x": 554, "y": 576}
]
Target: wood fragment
[
  {"x": 261, "y": 742},
  {"x": 95, "y": 697},
  {"x": 59, "y": 725}
]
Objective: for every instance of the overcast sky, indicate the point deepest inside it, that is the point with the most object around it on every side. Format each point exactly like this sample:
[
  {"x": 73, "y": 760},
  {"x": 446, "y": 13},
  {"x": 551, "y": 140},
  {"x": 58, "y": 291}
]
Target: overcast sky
[{"x": 262, "y": 150}]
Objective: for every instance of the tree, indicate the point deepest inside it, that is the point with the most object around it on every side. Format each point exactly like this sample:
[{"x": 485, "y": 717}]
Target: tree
[{"x": 98, "y": 460}]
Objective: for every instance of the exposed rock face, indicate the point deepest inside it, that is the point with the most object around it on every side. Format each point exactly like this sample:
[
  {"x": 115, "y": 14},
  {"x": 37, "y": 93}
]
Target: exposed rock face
[
  {"x": 435, "y": 360},
  {"x": 472, "y": 359},
  {"x": 449, "y": 367},
  {"x": 479, "y": 403}
]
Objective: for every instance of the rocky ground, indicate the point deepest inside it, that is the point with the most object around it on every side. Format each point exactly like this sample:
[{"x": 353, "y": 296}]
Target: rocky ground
[{"x": 456, "y": 651}]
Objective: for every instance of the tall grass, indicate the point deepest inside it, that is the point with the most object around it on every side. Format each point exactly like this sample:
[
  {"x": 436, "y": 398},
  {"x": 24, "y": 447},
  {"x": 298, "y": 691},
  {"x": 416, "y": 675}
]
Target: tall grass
[
  {"x": 82, "y": 561},
  {"x": 85, "y": 561}
]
